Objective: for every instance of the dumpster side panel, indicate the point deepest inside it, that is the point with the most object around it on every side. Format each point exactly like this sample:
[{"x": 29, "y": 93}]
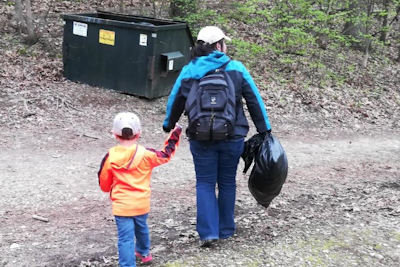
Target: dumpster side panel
[
  {"x": 173, "y": 40},
  {"x": 138, "y": 58},
  {"x": 119, "y": 63},
  {"x": 134, "y": 51}
]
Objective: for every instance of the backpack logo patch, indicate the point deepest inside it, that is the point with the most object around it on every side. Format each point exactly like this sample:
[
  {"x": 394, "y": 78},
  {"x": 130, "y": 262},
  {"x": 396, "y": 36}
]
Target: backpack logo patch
[{"x": 213, "y": 100}]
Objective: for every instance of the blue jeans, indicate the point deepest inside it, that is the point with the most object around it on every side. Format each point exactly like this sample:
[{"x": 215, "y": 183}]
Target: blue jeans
[
  {"x": 128, "y": 228},
  {"x": 216, "y": 163}
]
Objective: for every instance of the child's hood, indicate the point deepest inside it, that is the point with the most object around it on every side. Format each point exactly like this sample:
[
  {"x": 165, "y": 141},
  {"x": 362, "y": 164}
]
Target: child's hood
[{"x": 122, "y": 157}]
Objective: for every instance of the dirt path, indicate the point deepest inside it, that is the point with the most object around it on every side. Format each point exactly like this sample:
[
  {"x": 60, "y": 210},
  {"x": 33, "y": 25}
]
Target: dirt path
[{"x": 339, "y": 207}]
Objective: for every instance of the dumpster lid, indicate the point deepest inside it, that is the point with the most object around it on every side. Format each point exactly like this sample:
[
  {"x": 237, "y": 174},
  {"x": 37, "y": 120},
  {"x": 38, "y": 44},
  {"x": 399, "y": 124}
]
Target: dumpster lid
[{"x": 130, "y": 21}]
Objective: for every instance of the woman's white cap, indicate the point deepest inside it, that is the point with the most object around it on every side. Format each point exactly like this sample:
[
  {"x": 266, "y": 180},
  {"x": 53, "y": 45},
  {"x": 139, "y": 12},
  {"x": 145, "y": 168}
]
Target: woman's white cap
[
  {"x": 211, "y": 34},
  {"x": 126, "y": 120}
]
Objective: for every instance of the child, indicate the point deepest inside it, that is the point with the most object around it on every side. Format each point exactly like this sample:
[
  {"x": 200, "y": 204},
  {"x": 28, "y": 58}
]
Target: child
[{"x": 125, "y": 172}]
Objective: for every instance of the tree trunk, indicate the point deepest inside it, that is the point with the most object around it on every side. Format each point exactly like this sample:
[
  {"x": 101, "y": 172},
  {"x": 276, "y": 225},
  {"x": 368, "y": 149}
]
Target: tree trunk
[
  {"x": 20, "y": 16},
  {"x": 366, "y": 55},
  {"x": 181, "y": 8},
  {"x": 121, "y": 6},
  {"x": 383, "y": 36},
  {"x": 359, "y": 23},
  {"x": 367, "y": 42},
  {"x": 353, "y": 27},
  {"x": 24, "y": 15},
  {"x": 29, "y": 21},
  {"x": 398, "y": 56},
  {"x": 154, "y": 9}
]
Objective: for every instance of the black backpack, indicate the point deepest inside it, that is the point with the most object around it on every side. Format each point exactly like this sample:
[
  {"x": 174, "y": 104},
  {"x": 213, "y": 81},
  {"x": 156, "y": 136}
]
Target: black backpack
[{"x": 210, "y": 107}]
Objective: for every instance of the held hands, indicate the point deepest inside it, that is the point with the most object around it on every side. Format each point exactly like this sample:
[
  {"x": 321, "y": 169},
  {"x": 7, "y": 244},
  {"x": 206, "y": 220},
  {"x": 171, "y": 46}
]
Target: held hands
[
  {"x": 177, "y": 126},
  {"x": 177, "y": 129},
  {"x": 175, "y": 134}
]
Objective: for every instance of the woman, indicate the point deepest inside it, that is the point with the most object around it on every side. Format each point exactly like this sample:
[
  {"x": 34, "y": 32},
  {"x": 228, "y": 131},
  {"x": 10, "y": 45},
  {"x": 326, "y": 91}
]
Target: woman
[{"x": 216, "y": 161}]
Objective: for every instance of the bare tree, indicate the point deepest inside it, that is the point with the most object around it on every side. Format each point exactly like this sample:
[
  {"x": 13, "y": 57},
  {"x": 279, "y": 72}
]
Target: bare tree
[
  {"x": 385, "y": 21},
  {"x": 24, "y": 16},
  {"x": 121, "y": 6},
  {"x": 396, "y": 20},
  {"x": 398, "y": 55},
  {"x": 181, "y": 8},
  {"x": 368, "y": 40},
  {"x": 353, "y": 27},
  {"x": 19, "y": 16},
  {"x": 159, "y": 7}
]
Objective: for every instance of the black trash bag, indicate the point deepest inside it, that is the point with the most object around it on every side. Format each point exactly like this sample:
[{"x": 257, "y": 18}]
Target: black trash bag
[
  {"x": 251, "y": 147},
  {"x": 270, "y": 167}
]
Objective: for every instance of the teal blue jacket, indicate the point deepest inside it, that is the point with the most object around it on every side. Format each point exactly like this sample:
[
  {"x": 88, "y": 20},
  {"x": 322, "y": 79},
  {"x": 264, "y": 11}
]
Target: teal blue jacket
[{"x": 244, "y": 88}]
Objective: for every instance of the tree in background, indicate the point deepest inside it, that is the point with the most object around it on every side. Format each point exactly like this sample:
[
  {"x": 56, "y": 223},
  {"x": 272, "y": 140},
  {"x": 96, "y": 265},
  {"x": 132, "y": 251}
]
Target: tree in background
[
  {"x": 353, "y": 26},
  {"x": 182, "y": 8},
  {"x": 121, "y": 6},
  {"x": 302, "y": 27},
  {"x": 385, "y": 21},
  {"x": 25, "y": 20},
  {"x": 368, "y": 23},
  {"x": 290, "y": 28},
  {"x": 395, "y": 21}
]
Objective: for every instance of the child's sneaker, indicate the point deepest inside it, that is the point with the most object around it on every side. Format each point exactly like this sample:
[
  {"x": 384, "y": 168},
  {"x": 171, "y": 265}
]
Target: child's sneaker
[{"x": 145, "y": 260}]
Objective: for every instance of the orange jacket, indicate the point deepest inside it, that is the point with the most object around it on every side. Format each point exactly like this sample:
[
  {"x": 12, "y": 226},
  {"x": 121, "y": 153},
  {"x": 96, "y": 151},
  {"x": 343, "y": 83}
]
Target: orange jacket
[{"x": 125, "y": 172}]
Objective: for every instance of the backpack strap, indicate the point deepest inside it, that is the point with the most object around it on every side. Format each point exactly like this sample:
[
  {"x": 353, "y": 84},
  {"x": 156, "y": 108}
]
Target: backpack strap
[{"x": 222, "y": 67}]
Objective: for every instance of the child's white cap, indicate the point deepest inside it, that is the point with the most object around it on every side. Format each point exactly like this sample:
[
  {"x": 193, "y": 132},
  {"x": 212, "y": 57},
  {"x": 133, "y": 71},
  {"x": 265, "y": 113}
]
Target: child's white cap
[{"x": 126, "y": 120}]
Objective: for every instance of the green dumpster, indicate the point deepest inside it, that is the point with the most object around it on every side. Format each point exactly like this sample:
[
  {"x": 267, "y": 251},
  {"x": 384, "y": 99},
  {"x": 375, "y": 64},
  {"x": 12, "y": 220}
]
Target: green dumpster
[{"x": 136, "y": 55}]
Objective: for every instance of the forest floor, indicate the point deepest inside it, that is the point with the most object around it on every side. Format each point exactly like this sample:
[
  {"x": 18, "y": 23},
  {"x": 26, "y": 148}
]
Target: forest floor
[{"x": 340, "y": 205}]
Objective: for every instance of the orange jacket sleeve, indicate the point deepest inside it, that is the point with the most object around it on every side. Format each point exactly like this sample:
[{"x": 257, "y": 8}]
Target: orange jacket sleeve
[
  {"x": 170, "y": 145},
  {"x": 105, "y": 175}
]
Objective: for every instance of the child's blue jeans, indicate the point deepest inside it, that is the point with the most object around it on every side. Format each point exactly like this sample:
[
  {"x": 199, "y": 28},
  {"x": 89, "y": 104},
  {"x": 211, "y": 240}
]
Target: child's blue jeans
[
  {"x": 128, "y": 229},
  {"x": 216, "y": 163}
]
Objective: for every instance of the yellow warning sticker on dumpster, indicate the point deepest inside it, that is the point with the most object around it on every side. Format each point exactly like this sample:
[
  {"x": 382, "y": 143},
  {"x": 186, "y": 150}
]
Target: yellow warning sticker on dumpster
[{"x": 106, "y": 37}]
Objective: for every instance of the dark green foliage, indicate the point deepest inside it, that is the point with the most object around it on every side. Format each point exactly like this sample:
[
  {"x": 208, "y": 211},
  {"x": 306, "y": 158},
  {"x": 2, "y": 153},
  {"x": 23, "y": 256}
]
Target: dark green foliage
[{"x": 302, "y": 33}]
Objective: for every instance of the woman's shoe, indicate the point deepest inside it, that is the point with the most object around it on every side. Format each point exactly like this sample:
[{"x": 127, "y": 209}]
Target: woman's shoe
[{"x": 207, "y": 243}]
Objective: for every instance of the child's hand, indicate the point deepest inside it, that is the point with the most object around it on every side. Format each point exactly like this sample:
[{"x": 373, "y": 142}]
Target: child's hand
[{"x": 177, "y": 130}]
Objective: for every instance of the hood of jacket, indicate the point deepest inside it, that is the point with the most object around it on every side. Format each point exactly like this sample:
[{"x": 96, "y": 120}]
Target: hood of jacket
[
  {"x": 199, "y": 66},
  {"x": 128, "y": 158}
]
